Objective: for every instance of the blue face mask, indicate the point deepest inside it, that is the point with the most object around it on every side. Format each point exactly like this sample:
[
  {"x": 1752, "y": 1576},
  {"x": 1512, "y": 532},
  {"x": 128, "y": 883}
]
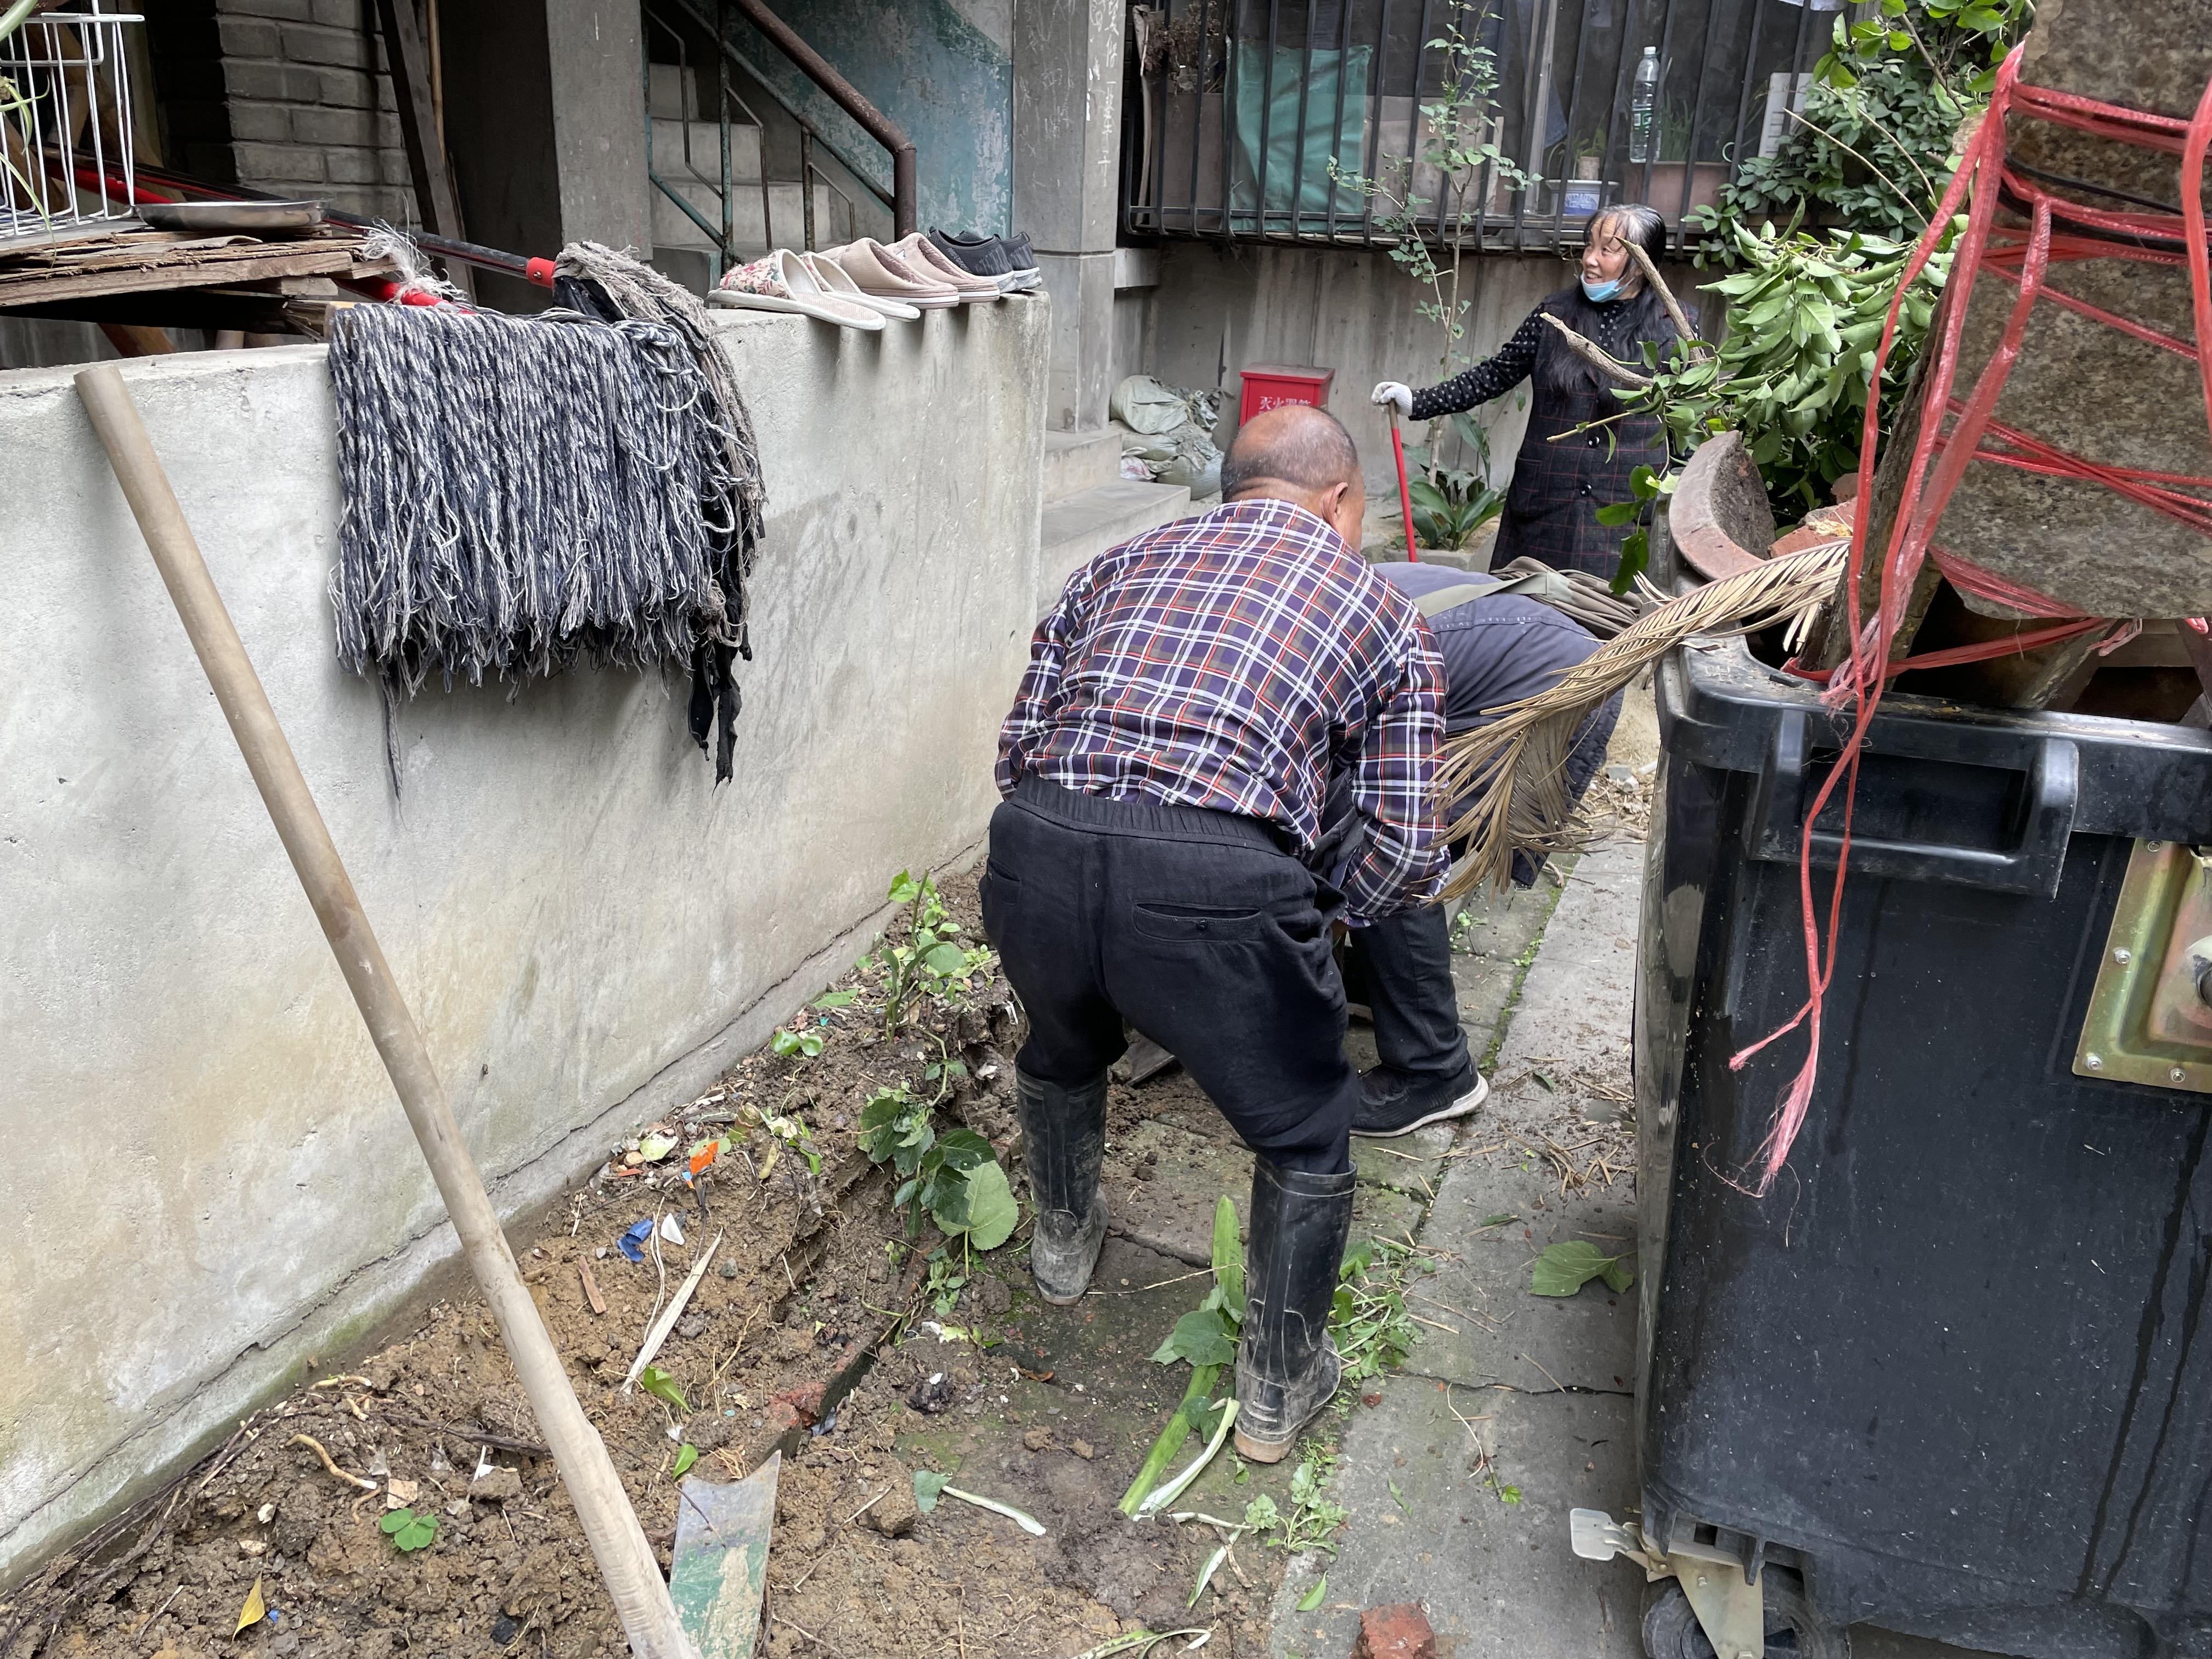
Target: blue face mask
[{"x": 1599, "y": 293}]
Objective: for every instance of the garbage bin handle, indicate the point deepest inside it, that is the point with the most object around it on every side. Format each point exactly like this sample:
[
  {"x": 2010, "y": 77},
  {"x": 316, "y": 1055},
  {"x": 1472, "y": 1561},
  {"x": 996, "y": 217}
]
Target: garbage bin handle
[{"x": 2053, "y": 777}]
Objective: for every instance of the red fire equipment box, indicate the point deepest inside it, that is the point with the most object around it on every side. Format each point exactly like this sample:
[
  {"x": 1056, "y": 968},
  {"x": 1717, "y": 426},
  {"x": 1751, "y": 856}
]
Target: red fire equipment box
[{"x": 1272, "y": 385}]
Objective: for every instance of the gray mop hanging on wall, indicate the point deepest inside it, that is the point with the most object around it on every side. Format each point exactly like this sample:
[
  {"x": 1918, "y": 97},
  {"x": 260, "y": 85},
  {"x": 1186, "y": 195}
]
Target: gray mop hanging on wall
[{"x": 524, "y": 493}]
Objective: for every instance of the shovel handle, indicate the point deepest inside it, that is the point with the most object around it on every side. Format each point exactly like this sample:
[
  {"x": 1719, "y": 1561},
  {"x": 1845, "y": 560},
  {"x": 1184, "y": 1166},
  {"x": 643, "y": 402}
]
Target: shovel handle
[{"x": 625, "y": 1558}]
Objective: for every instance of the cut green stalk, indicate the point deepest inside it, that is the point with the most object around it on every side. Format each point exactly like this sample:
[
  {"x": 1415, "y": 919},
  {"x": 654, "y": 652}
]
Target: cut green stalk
[
  {"x": 1170, "y": 1438},
  {"x": 1146, "y": 1639},
  {"x": 1206, "y": 1574},
  {"x": 1028, "y": 1524},
  {"x": 1168, "y": 1494}
]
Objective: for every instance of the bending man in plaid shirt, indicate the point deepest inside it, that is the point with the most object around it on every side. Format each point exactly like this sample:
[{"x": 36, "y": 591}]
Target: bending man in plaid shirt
[{"x": 1160, "y": 857}]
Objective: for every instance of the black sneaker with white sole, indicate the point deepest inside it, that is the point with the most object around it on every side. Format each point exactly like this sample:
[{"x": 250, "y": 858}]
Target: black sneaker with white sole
[
  {"x": 1394, "y": 1102},
  {"x": 1004, "y": 260}
]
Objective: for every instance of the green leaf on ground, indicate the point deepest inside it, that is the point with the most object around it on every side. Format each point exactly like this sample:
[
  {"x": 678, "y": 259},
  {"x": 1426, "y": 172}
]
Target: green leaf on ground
[
  {"x": 1203, "y": 1337},
  {"x": 1311, "y": 1599},
  {"x": 1564, "y": 1268},
  {"x": 836, "y": 999},
  {"x": 661, "y": 1386},
  {"x": 927, "y": 1486},
  {"x": 409, "y": 1529},
  {"x": 1495, "y": 1221},
  {"x": 992, "y": 1213},
  {"x": 686, "y": 1455}
]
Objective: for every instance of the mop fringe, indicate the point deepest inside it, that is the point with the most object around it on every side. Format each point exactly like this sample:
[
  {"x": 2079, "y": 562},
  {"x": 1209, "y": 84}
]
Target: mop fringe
[{"x": 524, "y": 493}]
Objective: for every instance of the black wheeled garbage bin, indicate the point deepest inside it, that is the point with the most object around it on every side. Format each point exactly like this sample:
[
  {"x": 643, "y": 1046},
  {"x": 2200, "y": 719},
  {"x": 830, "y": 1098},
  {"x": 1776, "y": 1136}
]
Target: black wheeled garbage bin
[{"x": 1953, "y": 1376}]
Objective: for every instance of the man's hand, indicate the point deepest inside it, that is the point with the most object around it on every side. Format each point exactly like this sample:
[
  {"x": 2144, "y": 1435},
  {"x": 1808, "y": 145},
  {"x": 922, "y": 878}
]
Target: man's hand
[{"x": 1390, "y": 392}]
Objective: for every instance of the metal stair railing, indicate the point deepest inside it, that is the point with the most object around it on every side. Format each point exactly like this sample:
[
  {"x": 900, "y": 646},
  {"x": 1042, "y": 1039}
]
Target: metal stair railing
[{"x": 901, "y": 197}]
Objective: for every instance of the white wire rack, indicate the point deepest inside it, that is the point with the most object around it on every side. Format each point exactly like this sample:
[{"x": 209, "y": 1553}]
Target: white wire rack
[{"x": 67, "y": 161}]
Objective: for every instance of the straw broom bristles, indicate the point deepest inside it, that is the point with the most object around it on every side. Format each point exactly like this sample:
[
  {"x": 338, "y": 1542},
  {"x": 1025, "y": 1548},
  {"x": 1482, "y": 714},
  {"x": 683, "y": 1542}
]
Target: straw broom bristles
[{"x": 1514, "y": 769}]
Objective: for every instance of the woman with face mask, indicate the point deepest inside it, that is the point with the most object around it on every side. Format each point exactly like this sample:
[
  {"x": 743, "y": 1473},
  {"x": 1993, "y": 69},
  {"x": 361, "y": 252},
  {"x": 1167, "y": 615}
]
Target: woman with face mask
[{"x": 1562, "y": 477}]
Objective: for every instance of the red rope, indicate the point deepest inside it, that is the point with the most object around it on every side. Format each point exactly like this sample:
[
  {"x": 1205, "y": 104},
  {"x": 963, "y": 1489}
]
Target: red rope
[{"x": 1940, "y": 457}]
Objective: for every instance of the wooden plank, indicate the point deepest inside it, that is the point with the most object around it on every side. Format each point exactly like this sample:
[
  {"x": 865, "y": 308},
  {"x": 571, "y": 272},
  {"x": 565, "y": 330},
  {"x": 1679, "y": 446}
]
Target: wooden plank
[
  {"x": 426, "y": 164},
  {"x": 48, "y": 289}
]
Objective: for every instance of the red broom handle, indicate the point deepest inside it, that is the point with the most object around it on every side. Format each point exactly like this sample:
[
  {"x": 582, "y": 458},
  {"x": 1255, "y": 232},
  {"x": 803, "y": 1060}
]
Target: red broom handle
[{"x": 1405, "y": 491}]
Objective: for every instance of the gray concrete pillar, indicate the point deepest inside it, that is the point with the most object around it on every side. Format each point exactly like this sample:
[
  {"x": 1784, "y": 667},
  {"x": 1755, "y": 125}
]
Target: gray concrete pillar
[
  {"x": 545, "y": 124},
  {"x": 1068, "y": 151}
]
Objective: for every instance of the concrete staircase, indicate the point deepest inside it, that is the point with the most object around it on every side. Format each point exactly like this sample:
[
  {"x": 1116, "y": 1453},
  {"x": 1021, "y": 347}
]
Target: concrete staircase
[
  {"x": 765, "y": 213},
  {"x": 1089, "y": 507}
]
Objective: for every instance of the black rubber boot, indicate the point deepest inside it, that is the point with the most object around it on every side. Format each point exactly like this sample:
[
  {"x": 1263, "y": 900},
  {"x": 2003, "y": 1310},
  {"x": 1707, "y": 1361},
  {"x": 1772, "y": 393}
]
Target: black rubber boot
[
  {"x": 1063, "y": 1141},
  {"x": 1287, "y": 1366}
]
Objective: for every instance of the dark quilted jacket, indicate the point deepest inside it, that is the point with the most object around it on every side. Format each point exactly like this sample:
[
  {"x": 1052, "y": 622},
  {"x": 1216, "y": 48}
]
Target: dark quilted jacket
[{"x": 1561, "y": 477}]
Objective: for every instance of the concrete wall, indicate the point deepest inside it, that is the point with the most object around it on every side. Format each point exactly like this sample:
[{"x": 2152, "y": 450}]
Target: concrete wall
[
  {"x": 209, "y": 1180},
  {"x": 1353, "y": 311}
]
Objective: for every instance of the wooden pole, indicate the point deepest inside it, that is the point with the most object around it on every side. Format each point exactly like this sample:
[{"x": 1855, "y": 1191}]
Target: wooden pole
[{"x": 626, "y": 1560}]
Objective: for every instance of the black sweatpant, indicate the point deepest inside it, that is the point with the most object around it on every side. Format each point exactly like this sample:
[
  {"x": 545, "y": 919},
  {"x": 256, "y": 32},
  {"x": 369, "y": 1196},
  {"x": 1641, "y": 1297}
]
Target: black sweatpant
[
  {"x": 1401, "y": 965},
  {"x": 1199, "y": 929}
]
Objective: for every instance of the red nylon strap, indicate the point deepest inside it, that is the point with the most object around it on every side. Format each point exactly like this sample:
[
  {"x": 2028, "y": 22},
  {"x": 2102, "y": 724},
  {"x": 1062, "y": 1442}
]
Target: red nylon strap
[{"x": 1940, "y": 458}]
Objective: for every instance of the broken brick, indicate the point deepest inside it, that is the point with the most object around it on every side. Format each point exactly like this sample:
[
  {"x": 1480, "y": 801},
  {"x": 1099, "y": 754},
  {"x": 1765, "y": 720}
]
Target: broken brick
[{"x": 1400, "y": 1631}]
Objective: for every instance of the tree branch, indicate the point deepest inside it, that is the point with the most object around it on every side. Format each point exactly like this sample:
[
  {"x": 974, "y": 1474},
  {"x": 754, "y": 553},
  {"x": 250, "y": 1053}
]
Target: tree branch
[
  {"x": 1597, "y": 357},
  {"x": 1666, "y": 295}
]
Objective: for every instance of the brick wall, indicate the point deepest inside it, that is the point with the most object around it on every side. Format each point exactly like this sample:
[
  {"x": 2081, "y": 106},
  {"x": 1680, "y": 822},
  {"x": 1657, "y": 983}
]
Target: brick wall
[{"x": 307, "y": 104}]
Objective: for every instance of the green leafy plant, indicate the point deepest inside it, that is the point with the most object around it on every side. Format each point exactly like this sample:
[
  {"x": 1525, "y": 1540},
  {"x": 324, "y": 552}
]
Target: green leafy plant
[
  {"x": 953, "y": 1178},
  {"x": 1461, "y": 149},
  {"x": 1565, "y": 1267},
  {"x": 661, "y": 1386},
  {"x": 945, "y": 1284},
  {"x": 1872, "y": 149},
  {"x": 410, "y": 1529},
  {"x": 1452, "y": 504},
  {"x": 803, "y": 1042},
  {"x": 1374, "y": 1331},
  {"x": 1806, "y": 315},
  {"x": 1312, "y": 1517},
  {"x": 924, "y": 958},
  {"x": 686, "y": 1455}
]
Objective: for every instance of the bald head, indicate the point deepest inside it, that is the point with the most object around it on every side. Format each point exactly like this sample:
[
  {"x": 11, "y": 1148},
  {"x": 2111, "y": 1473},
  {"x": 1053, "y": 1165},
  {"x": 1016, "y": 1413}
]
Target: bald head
[{"x": 1298, "y": 454}]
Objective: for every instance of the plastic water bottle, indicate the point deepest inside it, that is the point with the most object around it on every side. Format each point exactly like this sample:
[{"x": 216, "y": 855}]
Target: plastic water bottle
[{"x": 1642, "y": 100}]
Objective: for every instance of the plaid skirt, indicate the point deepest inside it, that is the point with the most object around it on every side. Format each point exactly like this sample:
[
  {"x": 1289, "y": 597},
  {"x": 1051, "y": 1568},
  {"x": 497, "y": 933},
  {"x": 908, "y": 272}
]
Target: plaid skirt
[{"x": 1562, "y": 477}]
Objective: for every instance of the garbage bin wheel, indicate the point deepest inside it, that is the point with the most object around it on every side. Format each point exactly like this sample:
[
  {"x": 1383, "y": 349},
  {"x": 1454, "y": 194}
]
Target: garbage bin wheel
[{"x": 1793, "y": 1629}]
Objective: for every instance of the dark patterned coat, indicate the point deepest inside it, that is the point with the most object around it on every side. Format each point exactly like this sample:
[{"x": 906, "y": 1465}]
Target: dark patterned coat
[{"x": 1561, "y": 477}]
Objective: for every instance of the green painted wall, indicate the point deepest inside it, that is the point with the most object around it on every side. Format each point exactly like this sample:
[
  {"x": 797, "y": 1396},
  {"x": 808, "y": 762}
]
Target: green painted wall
[{"x": 928, "y": 66}]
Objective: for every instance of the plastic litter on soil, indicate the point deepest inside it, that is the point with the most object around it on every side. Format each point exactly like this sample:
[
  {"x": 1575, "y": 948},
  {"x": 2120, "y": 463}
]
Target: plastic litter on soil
[{"x": 803, "y": 1285}]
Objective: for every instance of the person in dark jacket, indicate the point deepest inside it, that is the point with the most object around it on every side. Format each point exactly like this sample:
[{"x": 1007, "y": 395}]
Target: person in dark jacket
[
  {"x": 1497, "y": 649},
  {"x": 1563, "y": 475}
]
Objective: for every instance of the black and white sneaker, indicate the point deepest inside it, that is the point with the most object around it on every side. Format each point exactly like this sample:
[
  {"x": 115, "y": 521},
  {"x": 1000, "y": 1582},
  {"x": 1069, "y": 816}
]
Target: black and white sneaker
[
  {"x": 1007, "y": 262},
  {"x": 1392, "y": 1102}
]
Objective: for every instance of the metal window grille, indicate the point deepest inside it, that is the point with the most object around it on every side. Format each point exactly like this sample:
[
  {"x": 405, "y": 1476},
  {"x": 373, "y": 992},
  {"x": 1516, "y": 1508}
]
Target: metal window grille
[
  {"x": 67, "y": 158},
  {"x": 1249, "y": 114}
]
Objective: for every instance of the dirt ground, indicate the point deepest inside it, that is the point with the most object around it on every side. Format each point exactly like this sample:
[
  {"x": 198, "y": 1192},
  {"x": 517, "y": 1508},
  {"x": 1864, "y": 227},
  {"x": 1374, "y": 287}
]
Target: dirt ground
[{"x": 811, "y": 1272}]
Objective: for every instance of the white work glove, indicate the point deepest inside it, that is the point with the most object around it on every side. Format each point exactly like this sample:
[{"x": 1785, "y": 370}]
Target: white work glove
[{"x": 1389, "y": 391}]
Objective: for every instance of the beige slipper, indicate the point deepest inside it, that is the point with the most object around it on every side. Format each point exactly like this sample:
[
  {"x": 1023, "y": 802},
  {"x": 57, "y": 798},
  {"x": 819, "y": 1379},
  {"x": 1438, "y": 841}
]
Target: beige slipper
[
  {"x": 926, "y": 257},
  {"x": 879, "y": 271},
  {"x": 780, "y": 282},
  {"x": 831, "y": 275}
]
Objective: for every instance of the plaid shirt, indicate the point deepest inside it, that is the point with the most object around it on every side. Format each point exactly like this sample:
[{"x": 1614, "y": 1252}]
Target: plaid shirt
[{"x": 1235, "y": 661}]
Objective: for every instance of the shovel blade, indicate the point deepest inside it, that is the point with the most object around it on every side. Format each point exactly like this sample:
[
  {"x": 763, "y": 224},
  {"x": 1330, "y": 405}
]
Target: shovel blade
[{"x": 720, "y": 1569}]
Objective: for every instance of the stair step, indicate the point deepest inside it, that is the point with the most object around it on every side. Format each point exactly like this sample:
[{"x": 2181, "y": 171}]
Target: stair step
[
  {"x": 703, "y": 164},
  {"x": 1077, "y": 528},
  {"x": 786, "y": 218},
  {"x": 1081, "y": 460}
]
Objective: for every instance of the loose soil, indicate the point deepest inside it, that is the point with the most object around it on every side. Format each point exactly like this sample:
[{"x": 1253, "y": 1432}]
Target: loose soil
[{"x": 773, "y": 1351}]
